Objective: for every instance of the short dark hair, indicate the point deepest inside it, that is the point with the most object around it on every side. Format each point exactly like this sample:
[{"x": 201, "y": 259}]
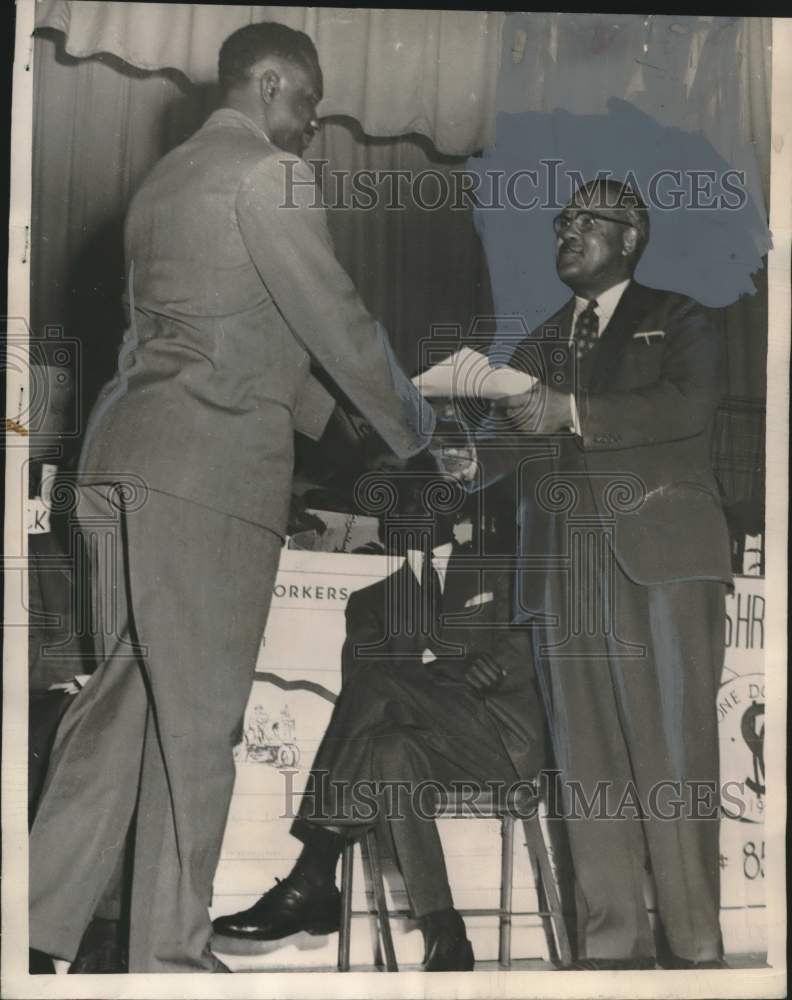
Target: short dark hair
[
  {"x": 608, "y": 193},
  {"x": 247, "y": 46}
]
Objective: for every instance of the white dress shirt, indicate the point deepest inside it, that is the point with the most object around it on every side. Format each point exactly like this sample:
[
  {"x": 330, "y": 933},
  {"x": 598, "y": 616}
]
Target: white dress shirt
[
  {"x": 440, "y": 556},
  {"x": 606, "y": 307}
]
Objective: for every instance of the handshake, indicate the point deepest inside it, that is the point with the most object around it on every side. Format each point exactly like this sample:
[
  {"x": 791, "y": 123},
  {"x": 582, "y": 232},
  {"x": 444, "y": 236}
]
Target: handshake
[{"x": 539, "y": 410}]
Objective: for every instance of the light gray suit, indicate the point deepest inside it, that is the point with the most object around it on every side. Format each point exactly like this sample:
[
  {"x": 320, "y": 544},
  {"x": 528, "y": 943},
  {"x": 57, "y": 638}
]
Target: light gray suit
[{"x": 234, "y": 292}]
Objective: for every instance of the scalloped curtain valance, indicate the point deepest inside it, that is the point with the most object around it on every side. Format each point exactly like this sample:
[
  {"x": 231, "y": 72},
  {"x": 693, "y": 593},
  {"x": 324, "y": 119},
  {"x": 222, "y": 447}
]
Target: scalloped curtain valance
[{"x": 395, "y": 71}]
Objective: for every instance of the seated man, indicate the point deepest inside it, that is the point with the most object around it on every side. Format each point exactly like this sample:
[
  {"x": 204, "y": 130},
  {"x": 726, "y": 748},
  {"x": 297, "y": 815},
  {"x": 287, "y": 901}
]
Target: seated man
[{"x": 426, "y": 697}]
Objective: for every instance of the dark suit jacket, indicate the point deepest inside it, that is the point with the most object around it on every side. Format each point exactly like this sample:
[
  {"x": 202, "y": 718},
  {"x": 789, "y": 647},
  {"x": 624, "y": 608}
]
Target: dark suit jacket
[
  {"x": 646, "y": 398},
  {"x": 379, "y": 631},
  {"x": 234, "y": 292}
]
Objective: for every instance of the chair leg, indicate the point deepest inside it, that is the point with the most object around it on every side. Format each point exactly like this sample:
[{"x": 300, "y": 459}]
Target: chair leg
[
  {"x": 383, "y": 917},
  {"x": 537, "y": 849},
  {"x": 371, "y": 907},
  {"x": 546, "y": 917},
  {"x": 345, "y": 930},
  {"x": 534, "y": 852},
  {"x": 507, "y": 880}
]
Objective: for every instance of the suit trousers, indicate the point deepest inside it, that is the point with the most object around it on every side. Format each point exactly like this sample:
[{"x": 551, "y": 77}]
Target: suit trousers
[
  {"x": 631, "y": 682},
  {"x": 404, "y": 724},
  {"x": 179, "y": 597}
]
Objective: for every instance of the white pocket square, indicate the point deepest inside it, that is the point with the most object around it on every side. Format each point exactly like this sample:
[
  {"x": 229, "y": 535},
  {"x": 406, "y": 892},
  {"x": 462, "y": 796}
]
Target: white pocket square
[
  {"x": 649, "y": 335},
  {"x": 472, "y": 602}
]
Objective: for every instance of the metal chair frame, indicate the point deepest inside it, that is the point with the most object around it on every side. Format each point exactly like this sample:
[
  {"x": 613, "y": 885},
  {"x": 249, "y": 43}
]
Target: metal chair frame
[{"x": 550, "y": 911}]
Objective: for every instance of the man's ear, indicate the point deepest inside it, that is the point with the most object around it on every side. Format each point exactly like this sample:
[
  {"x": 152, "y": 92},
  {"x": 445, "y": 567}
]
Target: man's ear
[
  {"x": 269, "y": 85},
  {"x": 629, "y": 240}
]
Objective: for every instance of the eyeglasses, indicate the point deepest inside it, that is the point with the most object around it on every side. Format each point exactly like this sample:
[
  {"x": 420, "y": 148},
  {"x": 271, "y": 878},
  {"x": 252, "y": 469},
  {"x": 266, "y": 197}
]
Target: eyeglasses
[{"x": 585, "y": 221}]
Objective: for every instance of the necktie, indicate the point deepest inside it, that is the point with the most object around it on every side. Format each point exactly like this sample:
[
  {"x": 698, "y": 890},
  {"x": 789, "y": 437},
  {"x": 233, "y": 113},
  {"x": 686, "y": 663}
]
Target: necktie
[
  {"x": 586, "y": 330},
  {"x": 431, "y": 597}
]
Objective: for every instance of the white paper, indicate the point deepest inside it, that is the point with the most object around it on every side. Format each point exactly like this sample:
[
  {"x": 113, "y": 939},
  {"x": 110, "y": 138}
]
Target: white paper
[{"x": 468, "y": 374}]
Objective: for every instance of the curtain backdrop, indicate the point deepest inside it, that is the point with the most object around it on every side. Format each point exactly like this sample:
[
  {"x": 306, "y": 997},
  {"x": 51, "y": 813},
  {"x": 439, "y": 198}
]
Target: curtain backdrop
[
  {"x": 100, "y": 125},
  {"x": 707, "y": 77},
  {"x": 701, "y": 74},
  {"x": 394, "y": 71}
]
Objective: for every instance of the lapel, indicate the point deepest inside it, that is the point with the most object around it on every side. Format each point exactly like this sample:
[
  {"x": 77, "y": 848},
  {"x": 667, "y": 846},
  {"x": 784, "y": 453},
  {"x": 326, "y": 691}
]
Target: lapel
[
  {"x": 562, "y": 319},
  {"x": 624, "y": 322},
  {"x": 460, "y": 585},
  {"x": 457, "y": 588},
  {"x": 397, "y": 607}
]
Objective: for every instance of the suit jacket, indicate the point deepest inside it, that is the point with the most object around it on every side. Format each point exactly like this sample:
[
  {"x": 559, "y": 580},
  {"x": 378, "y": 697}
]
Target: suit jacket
[
  {"x": 234, "y": 291},
  {"x": 475, "y": 616},
  {"x": 646, "y": 398}
]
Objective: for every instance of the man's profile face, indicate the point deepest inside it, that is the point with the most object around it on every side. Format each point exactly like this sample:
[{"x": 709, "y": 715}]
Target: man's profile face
[
  {"x": 590, "y": 250},
  {"x": 293, "y": 120}
]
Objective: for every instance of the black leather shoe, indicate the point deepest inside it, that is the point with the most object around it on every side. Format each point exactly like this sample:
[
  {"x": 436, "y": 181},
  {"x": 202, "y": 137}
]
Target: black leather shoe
[
  {"x": 40, "y": 964},
  {"x": 292, "y": 905},
  {"x": 447, "y": 948},
  {"x": 103, "y": 949},
  {"x": 611, "y": 964}
]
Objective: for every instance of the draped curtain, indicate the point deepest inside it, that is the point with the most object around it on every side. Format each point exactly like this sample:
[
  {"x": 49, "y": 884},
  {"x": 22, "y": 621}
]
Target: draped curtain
[
  {"x": 100, "y": 125},
  {"x": 394, "y": 71},
  {"x": 701, "y": 74},
  {"x": 119, "y": 84},
  {"x": 708, "y": 77}
]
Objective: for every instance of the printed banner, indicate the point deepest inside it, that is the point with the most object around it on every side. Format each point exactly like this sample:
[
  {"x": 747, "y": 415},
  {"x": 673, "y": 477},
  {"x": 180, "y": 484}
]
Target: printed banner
[{"x": 741, "y": 711}]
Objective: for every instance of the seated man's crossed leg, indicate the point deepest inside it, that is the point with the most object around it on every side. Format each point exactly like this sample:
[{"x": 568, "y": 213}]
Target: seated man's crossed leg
[
  {"x": 395, "y": 736},
  {"x": 412, "y": 719}
]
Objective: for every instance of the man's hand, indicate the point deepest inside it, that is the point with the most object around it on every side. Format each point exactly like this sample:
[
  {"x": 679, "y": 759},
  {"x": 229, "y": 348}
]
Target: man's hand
[
  {"x": 484, "y": 674},
  {"x": 541, "y": 410}
]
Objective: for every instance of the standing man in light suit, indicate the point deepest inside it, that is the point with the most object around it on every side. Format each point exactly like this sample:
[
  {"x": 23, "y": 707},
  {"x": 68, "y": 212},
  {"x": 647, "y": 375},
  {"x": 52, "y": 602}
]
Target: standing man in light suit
[
  {"x": 631, "y": 613},
  {"x": 234, "y": 291}
]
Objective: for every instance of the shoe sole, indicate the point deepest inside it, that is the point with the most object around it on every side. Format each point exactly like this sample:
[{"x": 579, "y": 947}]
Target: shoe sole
[
  {"x": 328, "y": 928},
  {"x": 228, "y": 941}
]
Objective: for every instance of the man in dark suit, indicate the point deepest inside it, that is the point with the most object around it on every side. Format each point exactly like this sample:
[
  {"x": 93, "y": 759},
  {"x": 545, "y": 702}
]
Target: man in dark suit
[
  {"x": 625, "y": 576},
  {"x": 436, "y": 687},
  {"x": 234, "y": 294}
]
